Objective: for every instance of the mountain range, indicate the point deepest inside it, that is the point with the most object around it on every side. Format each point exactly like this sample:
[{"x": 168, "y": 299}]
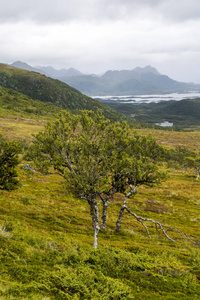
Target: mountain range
[
  {"x": 48, "y": 71},
  {"x": 137, "y": 81}
]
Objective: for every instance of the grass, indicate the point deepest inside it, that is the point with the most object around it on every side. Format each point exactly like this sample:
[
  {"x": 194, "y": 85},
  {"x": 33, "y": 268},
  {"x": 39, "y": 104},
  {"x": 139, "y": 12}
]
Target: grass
[
  {"x": 24, "y": 128},
  {"x": 47, "y": 251},
  {"x": 171, "y": 139},
  {"x": 46, "y": 235}
]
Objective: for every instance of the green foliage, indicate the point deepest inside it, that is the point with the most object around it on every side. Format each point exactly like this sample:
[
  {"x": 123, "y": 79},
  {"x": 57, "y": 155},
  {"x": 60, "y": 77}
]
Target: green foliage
[
  {"x": 183, "y": 114},
  {"x": 194, "y": 163},
  {"x": 177, "y": 156},
  {"x": 90, "y": 151},
  {"x": 8, "y": 162},
  {"x": 21, "y": 106},
  {"x": 184, "y": 158}
]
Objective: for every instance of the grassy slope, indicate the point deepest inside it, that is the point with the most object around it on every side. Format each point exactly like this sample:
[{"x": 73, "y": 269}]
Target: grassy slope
[
  {"x": 20, "y": 116},
  {"x": 40, "y": 87},
  {"x": 46, "y": 242},
  {"x": 48, "y": 247}
]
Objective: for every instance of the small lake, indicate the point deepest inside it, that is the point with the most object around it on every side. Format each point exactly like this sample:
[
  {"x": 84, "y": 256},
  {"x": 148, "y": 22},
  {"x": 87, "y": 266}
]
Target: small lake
[
  {"x": 134, "y": 99},
  {"x": 165, "y": 124}
]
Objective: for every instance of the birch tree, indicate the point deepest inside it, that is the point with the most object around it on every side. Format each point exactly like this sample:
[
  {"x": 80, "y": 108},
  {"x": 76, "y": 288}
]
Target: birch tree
[
  {"x": 85, "y": 150},
  {"x": 97, "y": 158}
]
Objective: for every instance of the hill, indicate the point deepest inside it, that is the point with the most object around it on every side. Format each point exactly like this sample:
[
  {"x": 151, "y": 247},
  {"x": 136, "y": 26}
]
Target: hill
[
  {"x": 45, "y": 89},
  {"x": 18, "y": 105}
]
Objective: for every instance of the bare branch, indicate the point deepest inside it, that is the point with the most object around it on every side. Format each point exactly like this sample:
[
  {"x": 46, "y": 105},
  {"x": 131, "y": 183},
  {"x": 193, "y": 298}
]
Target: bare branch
[{"x": 157, "y": 224}]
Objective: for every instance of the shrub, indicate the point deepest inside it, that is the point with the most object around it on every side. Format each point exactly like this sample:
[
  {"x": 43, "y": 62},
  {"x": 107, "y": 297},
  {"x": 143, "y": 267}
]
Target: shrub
[{"x": 8, "y": 162}]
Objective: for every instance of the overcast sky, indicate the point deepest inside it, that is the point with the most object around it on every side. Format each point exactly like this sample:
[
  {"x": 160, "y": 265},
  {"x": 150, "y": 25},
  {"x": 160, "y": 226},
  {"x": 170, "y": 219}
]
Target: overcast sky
[{"x": 97, "y": 35}]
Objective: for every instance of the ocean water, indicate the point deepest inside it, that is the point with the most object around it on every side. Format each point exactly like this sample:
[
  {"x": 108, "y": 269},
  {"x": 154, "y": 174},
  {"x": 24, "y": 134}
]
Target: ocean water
[{"x": 149, "y": 98}]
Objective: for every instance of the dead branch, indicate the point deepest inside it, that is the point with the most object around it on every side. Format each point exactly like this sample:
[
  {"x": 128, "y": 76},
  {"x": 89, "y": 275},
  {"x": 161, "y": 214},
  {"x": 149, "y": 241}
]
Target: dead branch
[{"x": 157, "y": 225}]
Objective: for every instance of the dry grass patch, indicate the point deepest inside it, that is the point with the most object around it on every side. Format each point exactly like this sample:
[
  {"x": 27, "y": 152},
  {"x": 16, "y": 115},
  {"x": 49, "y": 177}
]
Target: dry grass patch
[
  {"x": 20, "y": 128},
  {"x": 171, "y": 139}
]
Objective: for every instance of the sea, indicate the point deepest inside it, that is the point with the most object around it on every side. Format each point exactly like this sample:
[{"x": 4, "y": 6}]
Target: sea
[{"x": 136, "y": 99}]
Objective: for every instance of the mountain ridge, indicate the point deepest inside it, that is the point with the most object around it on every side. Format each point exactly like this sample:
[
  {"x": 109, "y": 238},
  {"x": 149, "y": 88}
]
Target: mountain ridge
[
  {"x": 146, "y": 80},
  {"x": 54, "y": 73},
  {"x": 24, "y": 66}
]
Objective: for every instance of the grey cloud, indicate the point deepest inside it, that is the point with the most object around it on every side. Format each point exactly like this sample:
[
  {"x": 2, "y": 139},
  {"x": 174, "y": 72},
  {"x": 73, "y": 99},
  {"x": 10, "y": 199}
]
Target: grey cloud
[
  {"x": 40, "y": 10},
  {"x": 182, "y": 10},
  {"x": 96, "y": 35},
  {"x": 172, "y": 10},
  {"x": 51, "y": 11}
]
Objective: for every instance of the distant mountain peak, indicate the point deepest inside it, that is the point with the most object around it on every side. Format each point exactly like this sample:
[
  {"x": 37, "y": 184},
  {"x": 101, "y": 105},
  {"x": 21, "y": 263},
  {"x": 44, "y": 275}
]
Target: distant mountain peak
[
  {"x": 19, "y": 64},
  {"x": 150, "y": 69},
  {"x": 71, "y": 72},
  {"x": 130, "y": 74},
  {"x": 146, "y": 70},
  {"x": 22, "y": 65}
]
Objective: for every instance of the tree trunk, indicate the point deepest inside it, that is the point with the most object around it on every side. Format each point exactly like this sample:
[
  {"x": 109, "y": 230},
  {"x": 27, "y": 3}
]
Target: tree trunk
[
  {"x": 104, "y": 214},
  {"x": 121, "y": 213},
  {"x": 96, "y": 232},
  {"x": 94, "y": 211}
]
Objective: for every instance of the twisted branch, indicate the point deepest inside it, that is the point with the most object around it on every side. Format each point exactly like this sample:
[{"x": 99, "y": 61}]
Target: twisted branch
[{"x": 157, "y": 224}]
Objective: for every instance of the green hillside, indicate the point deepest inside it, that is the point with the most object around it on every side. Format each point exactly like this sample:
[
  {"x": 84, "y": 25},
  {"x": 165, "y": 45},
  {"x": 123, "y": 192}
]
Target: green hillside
[
  {"x": 18, "y": 105},
  {"x": 183, "y": 114},
  {"x": 45, "y": 89}
]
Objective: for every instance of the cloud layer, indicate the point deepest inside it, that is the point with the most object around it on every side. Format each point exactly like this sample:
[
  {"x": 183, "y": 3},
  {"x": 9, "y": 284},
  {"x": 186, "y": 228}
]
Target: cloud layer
[{"x": 97, "y": 35}]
